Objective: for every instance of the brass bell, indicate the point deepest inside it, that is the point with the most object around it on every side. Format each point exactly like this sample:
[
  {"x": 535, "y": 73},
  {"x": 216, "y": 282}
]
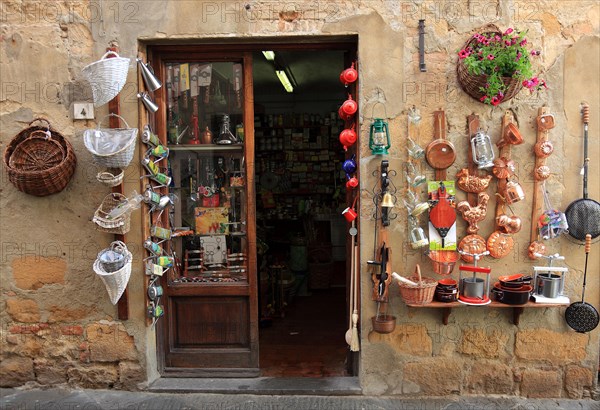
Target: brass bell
[{"x": 387, "y": 201}]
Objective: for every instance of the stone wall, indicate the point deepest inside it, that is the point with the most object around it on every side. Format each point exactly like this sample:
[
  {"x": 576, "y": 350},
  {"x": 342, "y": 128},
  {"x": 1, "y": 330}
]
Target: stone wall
[{"x": 46, "y": 258}]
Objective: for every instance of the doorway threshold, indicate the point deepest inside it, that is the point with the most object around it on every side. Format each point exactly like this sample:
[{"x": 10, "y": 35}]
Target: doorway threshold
[{"x": 330, "y": 386}]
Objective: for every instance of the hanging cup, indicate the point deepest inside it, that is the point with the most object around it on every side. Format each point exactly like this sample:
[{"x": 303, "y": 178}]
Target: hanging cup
[
  {"x": 150, "y": 81},
  {"x": 350, "y": 214}
]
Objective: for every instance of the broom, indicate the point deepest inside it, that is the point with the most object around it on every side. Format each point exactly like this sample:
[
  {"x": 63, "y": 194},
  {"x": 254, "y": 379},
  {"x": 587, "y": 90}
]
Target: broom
[{"x": 354, "y": 343}]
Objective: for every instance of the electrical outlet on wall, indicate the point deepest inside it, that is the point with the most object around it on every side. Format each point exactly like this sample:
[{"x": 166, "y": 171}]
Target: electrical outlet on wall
[{"x": 83, "y": 111}]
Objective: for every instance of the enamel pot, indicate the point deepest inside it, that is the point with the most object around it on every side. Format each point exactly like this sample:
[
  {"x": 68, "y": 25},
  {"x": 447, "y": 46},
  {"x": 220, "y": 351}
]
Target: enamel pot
[{"x": 512, "y": 296}]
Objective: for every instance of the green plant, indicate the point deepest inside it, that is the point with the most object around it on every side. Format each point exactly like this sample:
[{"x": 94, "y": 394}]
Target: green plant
[{"x": 498, "y": 56}]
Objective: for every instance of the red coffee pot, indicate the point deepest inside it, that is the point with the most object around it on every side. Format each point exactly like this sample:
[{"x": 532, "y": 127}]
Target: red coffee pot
[
  {"x": 349, "y": 107},
  {"x": 348, "y": 137},
  {"x": 349, "y": 75}
]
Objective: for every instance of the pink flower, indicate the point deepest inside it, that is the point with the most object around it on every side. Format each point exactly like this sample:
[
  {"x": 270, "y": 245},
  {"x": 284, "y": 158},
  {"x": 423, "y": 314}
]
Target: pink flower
[
  {"x": 495, "y": 101},
  {"x": 482, "y": 99},
  {"x": 463, "y": 54},
  {"x": 490, "y": 57},
  {"x": 527, "y": 83},
  {"x": 523, "y": 42},
  {"x": 519, "y": 55},
  {"x": 508, "y": 31},
  {"x": 507, "y": 42},
  {"x": 535, "y": 53}
]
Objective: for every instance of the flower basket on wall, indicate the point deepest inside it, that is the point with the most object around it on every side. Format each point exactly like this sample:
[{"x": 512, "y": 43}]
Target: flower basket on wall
[{"x": 494, "y": 66}]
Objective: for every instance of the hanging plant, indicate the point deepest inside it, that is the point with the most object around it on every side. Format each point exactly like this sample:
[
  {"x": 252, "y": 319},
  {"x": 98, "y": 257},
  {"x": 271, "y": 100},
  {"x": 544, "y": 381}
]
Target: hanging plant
[{"x": 494, "y": 66}]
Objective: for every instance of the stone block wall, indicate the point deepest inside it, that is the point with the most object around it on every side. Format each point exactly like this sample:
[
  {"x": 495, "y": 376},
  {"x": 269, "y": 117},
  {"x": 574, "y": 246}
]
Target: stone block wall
[{"x": 57, "y": 323}]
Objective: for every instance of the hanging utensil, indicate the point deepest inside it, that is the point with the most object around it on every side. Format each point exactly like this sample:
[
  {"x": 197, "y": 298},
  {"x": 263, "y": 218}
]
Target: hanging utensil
[
  {"x": 581, "y": 316},
  {"x": 583, "y": 215},
  {"x": 442, "y": 215},
  {"x": 422, "y": 66},
  {"x": 440, "y": 153}
]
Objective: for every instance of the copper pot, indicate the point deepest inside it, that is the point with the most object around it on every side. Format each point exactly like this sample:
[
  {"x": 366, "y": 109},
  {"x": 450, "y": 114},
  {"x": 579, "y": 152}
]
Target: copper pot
[
  {"x": 543, "y": 149},
  {"x": 384, "y": 323}
]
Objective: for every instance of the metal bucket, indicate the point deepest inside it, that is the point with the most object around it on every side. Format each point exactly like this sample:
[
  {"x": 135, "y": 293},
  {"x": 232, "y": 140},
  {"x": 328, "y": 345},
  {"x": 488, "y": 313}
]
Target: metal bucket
[{"x": 548, "y": 285}]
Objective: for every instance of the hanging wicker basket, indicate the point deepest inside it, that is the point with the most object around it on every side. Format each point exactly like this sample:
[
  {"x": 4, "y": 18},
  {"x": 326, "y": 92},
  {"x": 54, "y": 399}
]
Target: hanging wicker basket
[
  {"x": 474, "y": 85},
  {"x": 422, "y": 293},
  {"x": 107, "y": 77},
  {"x": 111, "y": 177},
  {"x": 119, "y": 225},
  {"x": 115, "y": 281},
  {"x": 111, "y": 147},
  {"x": 39, "y": 160}
]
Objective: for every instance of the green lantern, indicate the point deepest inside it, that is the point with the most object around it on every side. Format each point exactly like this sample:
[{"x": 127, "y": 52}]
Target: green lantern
[{"x": 379, "y": 139}]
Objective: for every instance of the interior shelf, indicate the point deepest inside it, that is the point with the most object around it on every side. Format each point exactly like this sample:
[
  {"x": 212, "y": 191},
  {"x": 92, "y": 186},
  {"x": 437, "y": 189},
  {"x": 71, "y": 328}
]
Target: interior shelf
[
  {"x": 206, "y": 147},
  {"x": 517, "y": 309}
]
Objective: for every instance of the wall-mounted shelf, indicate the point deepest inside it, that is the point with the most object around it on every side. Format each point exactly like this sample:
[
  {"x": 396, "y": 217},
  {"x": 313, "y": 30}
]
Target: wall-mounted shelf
[
  {"x": 206, "y": 147},
  {"x": 517, "y": 309}
]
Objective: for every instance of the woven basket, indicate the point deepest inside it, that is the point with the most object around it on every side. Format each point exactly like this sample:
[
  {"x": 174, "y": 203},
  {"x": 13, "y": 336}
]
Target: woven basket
[
  {"x": 113, "y": 258},
  {"x": 116, "y": 281},
  {"x": 421, "y": 294},
  {"x": 39, "y": 160},
  {"x": 111, "y": 177},
  {"x": 118, "y": 225},
  {"x": 475, "y": 84},
  {"x": 115, "y": 157},
  {"x": 107, "y": 77}
]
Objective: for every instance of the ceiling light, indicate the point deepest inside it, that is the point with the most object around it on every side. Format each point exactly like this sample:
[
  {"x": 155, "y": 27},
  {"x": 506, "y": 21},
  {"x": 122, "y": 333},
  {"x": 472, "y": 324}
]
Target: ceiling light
[
  {"x": 269, "y": 55},
  {"x": 285, "y": 81}
]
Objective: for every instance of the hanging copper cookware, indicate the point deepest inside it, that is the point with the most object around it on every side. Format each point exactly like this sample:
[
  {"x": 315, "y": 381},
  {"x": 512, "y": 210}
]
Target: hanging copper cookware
[
  {"x": 499, "y": 244},
  {"x": 471, "y": 244},
  {"x": 440, "y": 153},
  {"x": 472, "y": 183},
  {"x": 511, "y": 136}
]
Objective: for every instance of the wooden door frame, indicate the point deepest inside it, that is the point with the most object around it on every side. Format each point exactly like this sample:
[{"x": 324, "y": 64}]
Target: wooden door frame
[{"x": 226, "y": 49}]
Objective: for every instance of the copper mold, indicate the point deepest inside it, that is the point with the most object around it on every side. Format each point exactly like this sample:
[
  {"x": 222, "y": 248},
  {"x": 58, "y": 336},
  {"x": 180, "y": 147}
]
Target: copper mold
[
  {"x": 543, "y": 149},
  {"x": 474, "y": 244},
  {"x": 536, "y": 248},
  {"x": 499, "y": 244},
  {"x": 474, "y": 214},
  {"x": 509, "y": 224},
  {"x": 542, "y": 173},
  {"x": 472, "y": 183},
  {"x": 503, "y": 168}
]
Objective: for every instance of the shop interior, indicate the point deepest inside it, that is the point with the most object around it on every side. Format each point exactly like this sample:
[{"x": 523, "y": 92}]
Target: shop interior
[{"x": 300, "y": 193}]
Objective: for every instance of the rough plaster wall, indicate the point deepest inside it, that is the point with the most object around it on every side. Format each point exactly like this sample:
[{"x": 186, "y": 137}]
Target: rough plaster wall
[{"x": 402, "y": 362}]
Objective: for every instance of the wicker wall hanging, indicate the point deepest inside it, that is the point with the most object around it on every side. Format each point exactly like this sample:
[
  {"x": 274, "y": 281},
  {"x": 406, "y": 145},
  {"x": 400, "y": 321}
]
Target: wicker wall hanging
[{"x": 39, "y": 160}]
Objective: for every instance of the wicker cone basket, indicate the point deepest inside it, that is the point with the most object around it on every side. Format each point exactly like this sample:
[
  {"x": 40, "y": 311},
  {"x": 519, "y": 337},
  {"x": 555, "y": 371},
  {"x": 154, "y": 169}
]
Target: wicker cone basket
[
  {"x": 475, "y": 84},
  {"x": 39, "y": 160},
  {"x": 421, "y": 294},
  {"x": 116, "y": 281},
  {"x": 106, "y": 76},
  {"x": 100, "y": 143},
  {"x": 120, "y": 225}
]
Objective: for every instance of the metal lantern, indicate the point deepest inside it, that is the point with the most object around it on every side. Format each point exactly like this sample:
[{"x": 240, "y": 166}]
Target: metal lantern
[
  {"x": 379, "y": 137},
  {"x": 482, "y": 150}
]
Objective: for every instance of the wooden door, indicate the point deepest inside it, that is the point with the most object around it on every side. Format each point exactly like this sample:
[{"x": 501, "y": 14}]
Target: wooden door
[{"x": 206, "y": 118}]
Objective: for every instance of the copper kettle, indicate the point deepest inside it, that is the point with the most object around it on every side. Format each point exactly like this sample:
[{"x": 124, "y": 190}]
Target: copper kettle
[{"x": 513, "y": 192}]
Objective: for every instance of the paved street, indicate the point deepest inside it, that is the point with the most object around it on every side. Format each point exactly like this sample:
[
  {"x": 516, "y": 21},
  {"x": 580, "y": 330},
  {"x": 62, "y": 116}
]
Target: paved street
[{"x": 68, "y": 399}]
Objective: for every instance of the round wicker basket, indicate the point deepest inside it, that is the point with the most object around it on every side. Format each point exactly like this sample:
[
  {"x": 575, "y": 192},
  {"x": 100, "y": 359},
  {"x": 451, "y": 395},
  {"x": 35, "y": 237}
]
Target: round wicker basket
[
  {"x": 39, "y": 160},
  {"x": 422, "y": 293},
  {"x": 474, "y": 85}
]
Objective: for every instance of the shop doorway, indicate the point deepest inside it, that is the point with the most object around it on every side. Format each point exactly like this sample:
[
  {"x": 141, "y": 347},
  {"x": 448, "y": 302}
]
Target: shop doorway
[
  {"x": 259, "y": 284},
  {"x": 301, "y": 233}
]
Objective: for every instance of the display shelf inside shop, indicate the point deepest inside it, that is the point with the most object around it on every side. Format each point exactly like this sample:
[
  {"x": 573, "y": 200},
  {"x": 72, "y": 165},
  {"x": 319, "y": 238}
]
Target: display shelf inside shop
[
  {"x": 206, "y": 147},
  {"x": 517, "y": 309}
]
